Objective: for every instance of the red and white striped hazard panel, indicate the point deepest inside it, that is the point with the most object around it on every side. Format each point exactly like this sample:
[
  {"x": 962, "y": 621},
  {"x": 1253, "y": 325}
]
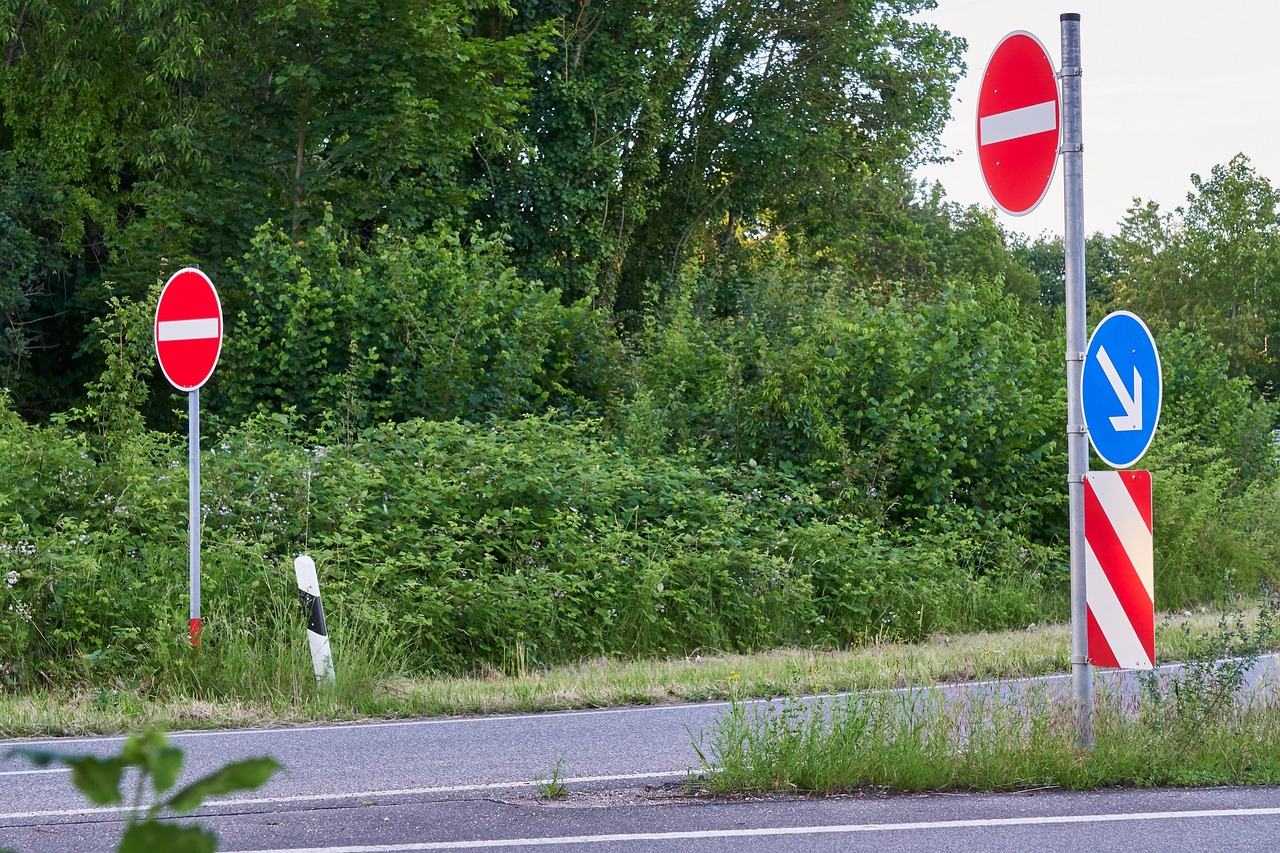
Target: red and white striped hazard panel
[{"x": 1119, "y": 581}]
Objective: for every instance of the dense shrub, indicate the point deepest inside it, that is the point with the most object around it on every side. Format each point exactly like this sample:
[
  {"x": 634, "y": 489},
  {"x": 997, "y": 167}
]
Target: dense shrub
[
  {"x": 814, "y": 467},
  {"x": 903, "y": 408},
  {"x": 457, "y": 546},
  {"x": 422, "y": 326}
]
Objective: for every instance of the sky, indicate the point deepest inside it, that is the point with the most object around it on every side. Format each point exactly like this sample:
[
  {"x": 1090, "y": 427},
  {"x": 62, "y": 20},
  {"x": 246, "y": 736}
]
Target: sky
[{"x": 1169, "y": 88}]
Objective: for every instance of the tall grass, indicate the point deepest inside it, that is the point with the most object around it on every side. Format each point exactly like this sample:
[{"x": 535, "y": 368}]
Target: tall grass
[
  {"x": 1200, "y": 724},
  {"x": 931, "y": 741}
]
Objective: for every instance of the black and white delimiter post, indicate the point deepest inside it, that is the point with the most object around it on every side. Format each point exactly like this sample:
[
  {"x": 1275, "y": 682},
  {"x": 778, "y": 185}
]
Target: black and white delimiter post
[{"x": 318, "y": 636}]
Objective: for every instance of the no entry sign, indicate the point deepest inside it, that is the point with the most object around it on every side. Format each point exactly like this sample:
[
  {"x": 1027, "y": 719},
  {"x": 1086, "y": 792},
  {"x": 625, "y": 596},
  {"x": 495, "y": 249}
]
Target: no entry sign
[
  {"x": 1018, "y": 122},
  {"x": 188, "y": 329},
  {"x": 188, "y": 334}
]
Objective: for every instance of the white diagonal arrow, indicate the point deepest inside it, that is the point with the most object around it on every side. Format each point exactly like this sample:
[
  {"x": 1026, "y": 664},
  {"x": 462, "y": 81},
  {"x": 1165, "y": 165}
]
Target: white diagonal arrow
[{"x": 1132, "y": 417}]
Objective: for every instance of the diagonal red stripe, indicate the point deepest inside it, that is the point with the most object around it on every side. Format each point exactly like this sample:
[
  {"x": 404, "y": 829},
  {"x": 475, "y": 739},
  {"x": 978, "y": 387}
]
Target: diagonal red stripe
[
  {"x": 1118, "y": 568},
  {"x": 1100, "y": 653},
  {"x": 1138, "y": 483}
]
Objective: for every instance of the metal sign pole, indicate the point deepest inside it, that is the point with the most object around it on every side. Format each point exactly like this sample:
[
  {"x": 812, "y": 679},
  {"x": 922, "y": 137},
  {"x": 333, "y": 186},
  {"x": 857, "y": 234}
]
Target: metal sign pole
[
  {"x": 193, "y": 465},
  {"x": 1082, "y": 692}
]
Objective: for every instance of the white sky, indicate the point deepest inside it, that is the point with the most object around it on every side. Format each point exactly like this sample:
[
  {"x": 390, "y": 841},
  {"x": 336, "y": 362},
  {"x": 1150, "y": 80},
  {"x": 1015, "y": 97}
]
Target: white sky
[{"x": 1170, "y": 88}]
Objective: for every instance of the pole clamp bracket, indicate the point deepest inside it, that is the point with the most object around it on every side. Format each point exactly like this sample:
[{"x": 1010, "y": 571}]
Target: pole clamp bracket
[
  {"x": 1070, "y": 71},
  {"x": 1077, "y": 148},
  {"x": 1075, "y": 356},
  {"x": 1077, "y": 429},
  {"x": 1079, "y": 660},
  {"x": 1075, "y": 479}
]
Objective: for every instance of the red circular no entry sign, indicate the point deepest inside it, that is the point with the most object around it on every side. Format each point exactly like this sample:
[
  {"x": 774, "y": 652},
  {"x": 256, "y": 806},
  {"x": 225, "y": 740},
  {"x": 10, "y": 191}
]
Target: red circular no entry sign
[
  {"x": 188, "y": 330},
  {"x": 1018, "y": 123}
]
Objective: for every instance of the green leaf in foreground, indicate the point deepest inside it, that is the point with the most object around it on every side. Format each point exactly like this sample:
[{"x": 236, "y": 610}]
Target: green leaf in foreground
[
  {"x": 237, "y": 776},
  {"x": 152, "y": 752},
  {"x": 97, "y": 778},
  {"x": 151, "y": 836}
]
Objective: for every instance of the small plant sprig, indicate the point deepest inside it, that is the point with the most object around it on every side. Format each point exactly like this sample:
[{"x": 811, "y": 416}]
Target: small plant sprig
[
  {"x": 159, "y": 761},
  {"x": 1212, "y": 678},
  {"x": 553, "y": 788}
]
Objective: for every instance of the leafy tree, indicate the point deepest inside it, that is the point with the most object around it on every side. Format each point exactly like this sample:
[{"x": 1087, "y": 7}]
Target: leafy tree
[
  {"x": 167, "y": 131},
  {"x": 936, "y": 242},
  {"x": 661, "y": 132},
  {"x": 1213, "y": 264},
  {"x": 33, "y": 275},
  {"x": 1045, "y": 257}
]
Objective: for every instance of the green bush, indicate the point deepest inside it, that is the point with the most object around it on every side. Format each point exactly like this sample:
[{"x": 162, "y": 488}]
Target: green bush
[
  {"x": 819, "y": 467},
  {"x": 445, "y": 547},
  {"x": 1215, "y": 480},
  {"x": 425, "y": 326},
  {"x": 896, "y": 408}
]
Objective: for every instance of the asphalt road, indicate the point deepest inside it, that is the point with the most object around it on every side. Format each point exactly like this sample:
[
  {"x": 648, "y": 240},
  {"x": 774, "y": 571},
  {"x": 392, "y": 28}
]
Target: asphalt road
[{"x": 471, "y": 783}]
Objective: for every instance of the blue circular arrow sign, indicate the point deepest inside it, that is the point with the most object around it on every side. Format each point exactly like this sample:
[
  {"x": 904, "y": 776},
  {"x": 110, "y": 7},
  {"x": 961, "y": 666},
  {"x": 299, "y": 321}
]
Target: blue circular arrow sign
[{"x": 1121, "y": 389}]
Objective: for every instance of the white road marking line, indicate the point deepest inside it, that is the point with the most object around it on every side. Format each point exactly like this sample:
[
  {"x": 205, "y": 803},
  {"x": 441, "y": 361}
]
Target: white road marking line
[
  {"x": 395, "y": 724},
  {"x": 1014, "y": 124},
  {"x": 358, "y": 795},
  {"x": 775, "y": 831},
  {"x": 187, "y": 330}
]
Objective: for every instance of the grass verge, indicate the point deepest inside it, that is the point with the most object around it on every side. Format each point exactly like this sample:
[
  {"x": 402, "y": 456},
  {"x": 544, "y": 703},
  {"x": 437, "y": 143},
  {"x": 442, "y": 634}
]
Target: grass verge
[
  {"x": 929, "y": 741},
  {"x": 1200, "y": 724},
  {"x": 245, "y": 686}
]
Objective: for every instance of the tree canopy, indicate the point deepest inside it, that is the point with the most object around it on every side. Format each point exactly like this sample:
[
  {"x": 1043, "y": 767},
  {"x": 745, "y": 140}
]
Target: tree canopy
[{"x": 607, "y": 143}]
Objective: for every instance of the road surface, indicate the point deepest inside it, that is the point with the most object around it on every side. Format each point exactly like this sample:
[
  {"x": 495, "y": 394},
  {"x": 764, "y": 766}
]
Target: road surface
[{"x": 473, "y": 783}]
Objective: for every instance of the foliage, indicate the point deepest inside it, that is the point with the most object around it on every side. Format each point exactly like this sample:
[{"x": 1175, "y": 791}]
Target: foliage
[
  {"x": 1215, "y": 262},
  {"x": 427, "y": 326},
  {"x": 1044, "y": 257},
  {"x": 898, "y": 409},
  {"x": 458, "y": 547},
  {"x": 158, "y": 762},
  {"x": 552, "y": 788},
  {"x": 31, "y": 267},
  {"x": 660, "y": 132},
  {"x": 1198, "y": 725},
  {"x": 1213, "y": 680},
  {"x": 1215, "y": 477},
  {"x": 936, "y": 243},
  {"x": 165, "y": 132},
  {"x": 610, "y": 143}
]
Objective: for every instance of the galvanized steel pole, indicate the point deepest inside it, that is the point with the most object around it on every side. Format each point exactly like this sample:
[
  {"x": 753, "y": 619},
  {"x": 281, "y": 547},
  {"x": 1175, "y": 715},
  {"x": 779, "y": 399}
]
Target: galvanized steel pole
[
  {"x": 193, "y": 546},
  {"x": 1082, "y": 692}
]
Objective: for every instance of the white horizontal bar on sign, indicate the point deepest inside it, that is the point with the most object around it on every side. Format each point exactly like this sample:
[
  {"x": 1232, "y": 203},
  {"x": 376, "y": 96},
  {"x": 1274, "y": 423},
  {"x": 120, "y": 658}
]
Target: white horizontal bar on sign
[
  {"x": 1014, "y": 124},
  {"x": 188, "y": 330}
]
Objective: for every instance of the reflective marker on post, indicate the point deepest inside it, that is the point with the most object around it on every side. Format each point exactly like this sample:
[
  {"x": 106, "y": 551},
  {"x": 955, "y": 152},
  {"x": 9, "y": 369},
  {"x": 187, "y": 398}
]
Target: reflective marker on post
[
  {"x": 317, "y": 634},
  {"x": 1119, "y": 567}
]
